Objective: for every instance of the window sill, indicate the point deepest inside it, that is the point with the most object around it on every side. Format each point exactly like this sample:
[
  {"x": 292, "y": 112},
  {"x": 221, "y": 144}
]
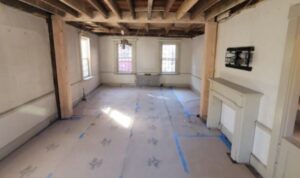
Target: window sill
[{"x": 88, "y": 78}]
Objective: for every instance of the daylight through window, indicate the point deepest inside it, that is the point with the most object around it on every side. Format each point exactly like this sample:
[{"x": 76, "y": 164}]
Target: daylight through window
[{"x": 169, "y": 58}]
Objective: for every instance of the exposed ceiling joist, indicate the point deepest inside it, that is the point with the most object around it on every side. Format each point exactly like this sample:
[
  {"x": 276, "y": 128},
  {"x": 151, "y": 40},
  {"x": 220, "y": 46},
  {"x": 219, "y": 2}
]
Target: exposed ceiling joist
[
  {"x": 46, "y": 7},
  {"x": 99, "y": 25},
  {"x": 124, "y": 28},
  {"x": 203, "y": 6},
  {"x": 140, "y": 18},
  {"x": 113, "y": 7},
  {"x": 180, "y": 18},
  {"x": 98, "y": 7},
  {"x": 80, "y": 6},
  {"x": 150, "y": 6},
  {"x": 131, "y": 8},
  {"x": 185, "y": 7},
  {"x": 169, "y": 4},
  {"x": 168, "y": 28},
  {"x": 147, "y": 27},
  {"x": 61, "y": 6},
  {"x": 222, "y": 7}
]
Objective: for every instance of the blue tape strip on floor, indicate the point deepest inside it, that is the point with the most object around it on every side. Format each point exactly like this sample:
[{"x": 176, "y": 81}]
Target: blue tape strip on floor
[
  {"x": 183, "y": 161},
  {"x": 81, "y": 135},
  {"x": 187, "y": 114},
  {"x": 225, "y": 140},
  {"x": 137, "y": 107},
  {"x": 50, "y": 175}
]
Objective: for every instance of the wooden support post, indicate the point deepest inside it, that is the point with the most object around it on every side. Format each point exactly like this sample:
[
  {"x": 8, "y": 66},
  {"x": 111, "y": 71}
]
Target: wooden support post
[
  {"x": 210, "y": 40},
  {"x": 62, "y": 69}
]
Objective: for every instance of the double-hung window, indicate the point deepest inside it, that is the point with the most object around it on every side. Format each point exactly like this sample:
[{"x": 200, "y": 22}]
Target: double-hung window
[
  {"x": 125, "y": 59},
  {"x": 169, "y": 58},
  {"x": 85, "y": 57}
]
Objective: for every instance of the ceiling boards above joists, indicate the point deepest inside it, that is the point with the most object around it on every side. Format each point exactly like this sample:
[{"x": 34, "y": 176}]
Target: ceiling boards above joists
[
  {"x": 44, "y": 6},
  {"x": 80, "y": 6},
  {"x": 99, "y": 7},
  {"x": 176, "y": 18},
  {"x": 113, "y": 7},
  {"x": 185, "y": 7},
  {"x": 63, "y": 7},
  {"x": 131, "y": 8}
]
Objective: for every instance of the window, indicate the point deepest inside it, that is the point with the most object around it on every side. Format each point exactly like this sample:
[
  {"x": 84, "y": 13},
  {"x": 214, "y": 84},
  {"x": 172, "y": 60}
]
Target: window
[
  {"x": 85, "y": 56},
  {"x": 169, "y": 58},
  {"x": 125, "y": 59}
]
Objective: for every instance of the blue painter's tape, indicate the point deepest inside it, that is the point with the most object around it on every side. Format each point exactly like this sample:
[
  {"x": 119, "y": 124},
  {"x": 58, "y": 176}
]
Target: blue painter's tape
[
  {"x": 225, "y": 140},
  {"x": 81, "y": 135},
  {"x": 50, "y": 175},
  {"x": 186, "y": 113},
  {"x": 183, "y": 161},
  {"x": 137, "y": 107}
]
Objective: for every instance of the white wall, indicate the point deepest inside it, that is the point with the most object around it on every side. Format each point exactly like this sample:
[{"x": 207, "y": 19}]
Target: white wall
[
  {"x": 197, "y": 58},
  {"x": 147, "y": 61},
  {"x": 27, "y": 90},
  {"x": 73, "y": 52},
  {"x": 264, "y": 27}
]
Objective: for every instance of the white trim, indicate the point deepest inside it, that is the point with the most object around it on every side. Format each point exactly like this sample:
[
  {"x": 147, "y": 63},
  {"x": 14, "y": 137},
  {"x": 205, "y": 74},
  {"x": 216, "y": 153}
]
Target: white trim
[
  {"x": 132, "y": 41},
  {"x": 285, "y": 89},
  {"x": 84, "y": 35},
  {"x": 177, "y": 63}
]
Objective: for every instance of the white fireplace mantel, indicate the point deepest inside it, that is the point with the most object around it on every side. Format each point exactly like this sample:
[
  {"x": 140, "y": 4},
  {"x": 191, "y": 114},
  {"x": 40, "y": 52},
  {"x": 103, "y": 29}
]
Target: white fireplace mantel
[{"x": 240, "y": 107}]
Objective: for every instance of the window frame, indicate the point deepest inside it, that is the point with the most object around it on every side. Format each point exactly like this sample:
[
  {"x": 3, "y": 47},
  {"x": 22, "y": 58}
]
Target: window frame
[
  {"x": 177, "y": 59},
  {"x": 116, "y": 53},
  {"x": 89, "y": 58}
]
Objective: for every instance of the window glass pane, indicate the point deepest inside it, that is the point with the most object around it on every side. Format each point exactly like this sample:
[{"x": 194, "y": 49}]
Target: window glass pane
[
  {"x": 169, "y": 58},
  {"x": 124, "y": 58},
  {"x": 85, "y": 56}
]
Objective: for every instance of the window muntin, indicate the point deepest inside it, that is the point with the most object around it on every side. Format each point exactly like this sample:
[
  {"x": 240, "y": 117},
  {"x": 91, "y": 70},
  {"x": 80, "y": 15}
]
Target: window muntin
[
  {"x": 85, "y": 56},
  {"x": 169, "y": 56},
  {"x": 125, "y": 59}
]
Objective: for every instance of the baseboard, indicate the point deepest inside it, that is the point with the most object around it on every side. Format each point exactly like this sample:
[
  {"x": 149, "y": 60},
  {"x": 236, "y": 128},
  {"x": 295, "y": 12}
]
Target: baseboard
[
  {"x": 119, "y": 84},
  {"x": 195, "y": 90},
  {"x": 77, "y": 101},
  {"x": 18, "y": 142},
  {"x": 176, "y": 85}
]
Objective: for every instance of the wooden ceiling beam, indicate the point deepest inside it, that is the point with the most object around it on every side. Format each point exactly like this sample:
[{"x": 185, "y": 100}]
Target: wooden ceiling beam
[
  {"x": 203, "y": 6},
  {"x": 185, "y": 7},
  {"x": 80, "y": 6},
  {"x": 147, "y": 27},
  {"x": 221, "y": 8},
  {"x": 131, "y": 8},
  {"x": 97, "y": 25},
  {"x": 99, "y": 7},
  {"x": 168, "y": 28},
  {"x": 44, "y": 6},
  {"x": 150, "y": 6},
  {"x": 113, "y": 7},
  {"x": 168, "y": 7},
  {"x": 63, "y": 7},
  {"x": 124, "y": 28},
  {"x": 190, "y": 28},
  {"x": 140, "y": 18}
]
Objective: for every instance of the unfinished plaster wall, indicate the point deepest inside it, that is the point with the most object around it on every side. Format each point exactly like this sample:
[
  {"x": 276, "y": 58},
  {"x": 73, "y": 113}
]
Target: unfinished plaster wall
[
  {"x": 27, "y": 101},
  {"x": 249, "y": 28},
  {"x": 197, "y": 58},
  {"x": 78, "y": 84},
  {"x": 148, "y": 60}
]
